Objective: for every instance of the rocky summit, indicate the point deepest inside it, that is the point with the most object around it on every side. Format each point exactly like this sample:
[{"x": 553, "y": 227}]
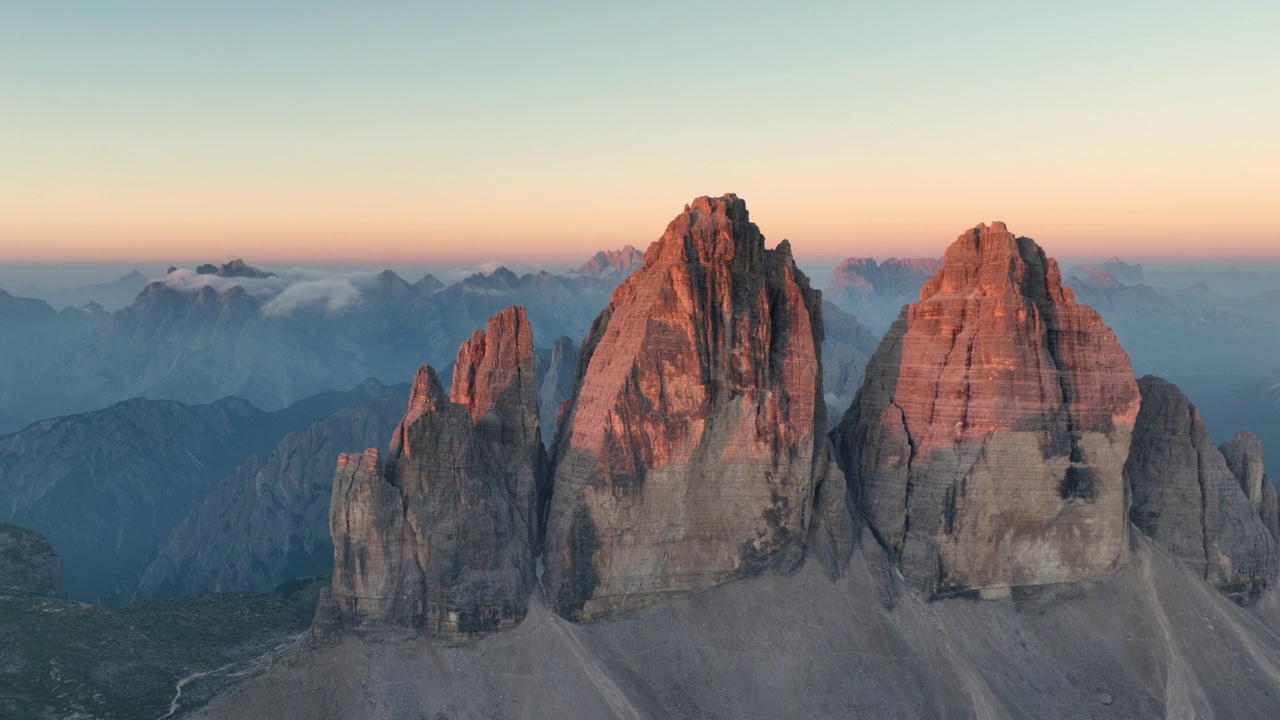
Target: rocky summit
[
  {"x": 686, "y": 457},
  {"x": 439, "y": 535},
  {"x": 1245, "y": 458},
  {"x": 29, "y": 566},
  {"x": 987, "y": 444},
  {"x": 1193, "y": 500}
]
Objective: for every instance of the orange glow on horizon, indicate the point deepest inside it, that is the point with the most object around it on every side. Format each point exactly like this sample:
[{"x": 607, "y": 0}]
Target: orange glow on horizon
[{"x": 386, "y": 232}]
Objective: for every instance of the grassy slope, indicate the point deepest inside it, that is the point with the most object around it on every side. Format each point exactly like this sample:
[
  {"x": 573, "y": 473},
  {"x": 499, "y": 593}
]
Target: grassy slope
[{"x": 65, "y": 659}]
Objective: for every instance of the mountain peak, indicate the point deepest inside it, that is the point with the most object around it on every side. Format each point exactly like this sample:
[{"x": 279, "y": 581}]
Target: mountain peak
[
  {"x": 29, "y": 566},
  {"x": 711, "y": 231},
  {"x": 612, "y": 263},
  {"x": 489, "y": 364},
  {"x": 994, "y": 367},
  {"x": 236, "y": 268},
  {"x": 440, "y": 538},
  {"x": 990, "y": 260},
  {"x": 682, "y": 393}
]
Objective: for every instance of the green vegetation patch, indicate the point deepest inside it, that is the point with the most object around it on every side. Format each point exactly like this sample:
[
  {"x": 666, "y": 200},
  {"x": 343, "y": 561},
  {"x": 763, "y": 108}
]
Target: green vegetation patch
[{"x": 61, "y": 659}]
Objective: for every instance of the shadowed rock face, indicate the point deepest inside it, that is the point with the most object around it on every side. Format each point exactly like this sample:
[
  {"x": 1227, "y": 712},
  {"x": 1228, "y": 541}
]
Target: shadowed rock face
[
  {"x": 440, "y": 534},
  {"x": 686, "y": 458},
  {"x": 987, "y": 444},
  {"x": 268, "y": 521},
  {"x": 1192, "y": 499},
  {"x": 29, "y": 566},
  {"x": 556, "y": 387},
  {"x": 1245, "y": 458}
]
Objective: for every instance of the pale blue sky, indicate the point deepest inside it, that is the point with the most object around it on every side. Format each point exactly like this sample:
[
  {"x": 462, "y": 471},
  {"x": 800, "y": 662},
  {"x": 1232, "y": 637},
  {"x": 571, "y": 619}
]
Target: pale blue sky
[{"x": 304, "y": 129}]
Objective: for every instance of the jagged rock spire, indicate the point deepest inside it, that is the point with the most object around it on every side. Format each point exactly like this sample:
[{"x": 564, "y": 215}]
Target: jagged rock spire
[
  {"x": 687, "y": 456},
  {"x": 441, "y": 536},
  {"x": 1193, "y": 500}
]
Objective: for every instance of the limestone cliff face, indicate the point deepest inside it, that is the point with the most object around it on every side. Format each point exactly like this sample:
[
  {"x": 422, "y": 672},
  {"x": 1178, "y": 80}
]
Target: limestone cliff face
[
  {"x": 987, "y": 444},
  {"x": 687, "y": 457},
  {"x": 1244, "y": 457},
  {"x": 1189, "y": 499},
  {"x": 439, "y": 534}
]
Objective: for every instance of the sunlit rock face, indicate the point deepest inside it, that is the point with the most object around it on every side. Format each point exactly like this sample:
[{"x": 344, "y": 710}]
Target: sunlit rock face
[
  {"x": 687, "y": 457},
  {"x": 439, "y": 535},
  {"x": 987, "y": 445},
  {"x": 1202, "y": 505}
]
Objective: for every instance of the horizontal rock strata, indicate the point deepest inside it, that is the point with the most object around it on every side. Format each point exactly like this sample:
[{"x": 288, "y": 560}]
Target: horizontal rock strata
[{"x": 987, "y": 443}]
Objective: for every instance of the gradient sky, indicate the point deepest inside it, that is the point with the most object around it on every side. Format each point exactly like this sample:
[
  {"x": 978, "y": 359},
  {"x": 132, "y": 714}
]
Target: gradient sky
[{"x": 411, "y": 132}]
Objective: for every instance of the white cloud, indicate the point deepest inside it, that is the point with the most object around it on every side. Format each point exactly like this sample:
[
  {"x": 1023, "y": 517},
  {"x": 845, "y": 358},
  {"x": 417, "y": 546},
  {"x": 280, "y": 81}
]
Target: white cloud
[
  {"x": 337, "y": 294},
  {"x": 454, "y": 275},
  {"x": 190, "y": 281},
  {"x": 287, "y": 291}
]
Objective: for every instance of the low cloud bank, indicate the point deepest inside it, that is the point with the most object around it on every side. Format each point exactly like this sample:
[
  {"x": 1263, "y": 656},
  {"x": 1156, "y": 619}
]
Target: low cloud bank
[
  {"x": 288, "y": 290},
  {"x": 285, "y": 292}
]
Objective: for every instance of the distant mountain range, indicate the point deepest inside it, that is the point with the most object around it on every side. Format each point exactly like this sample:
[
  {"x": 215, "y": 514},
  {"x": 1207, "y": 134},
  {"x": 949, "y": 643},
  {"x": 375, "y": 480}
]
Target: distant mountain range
[
  {"x": 876, "y": 292},
  {"x": 271, "y": 338},
  {"x": 111, "y": 295},
  {"x": 267, "y": 521},
  {"x": 107, "y": 487}
]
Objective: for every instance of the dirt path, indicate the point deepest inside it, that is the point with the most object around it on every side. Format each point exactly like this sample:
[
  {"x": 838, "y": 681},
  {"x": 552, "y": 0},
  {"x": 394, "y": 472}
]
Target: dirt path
[{"x": 260, "y": 663}]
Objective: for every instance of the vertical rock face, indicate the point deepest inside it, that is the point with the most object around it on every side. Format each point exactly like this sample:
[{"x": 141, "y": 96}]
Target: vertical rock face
[
  {"x": 1244, "y": 457},
  {"x": 687, "y": 457},
  {"x": 557, "y": 385},
  {"x": 1270, "y": 510},
  {"x": 1189, "y": 501},
  {"x": 988, "y": 441},
  {"x": 440, "y": 534}
]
